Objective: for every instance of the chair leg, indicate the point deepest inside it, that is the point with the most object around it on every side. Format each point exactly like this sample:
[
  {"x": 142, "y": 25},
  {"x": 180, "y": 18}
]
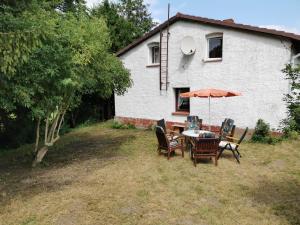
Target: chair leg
[
  {"x": 182, "y": 152},
  {"x": 235, "y": 156},
  {"x": 220, "y": 152},
  {"x": 216, "y": 160},
  {"x": 239, "y": 153},
  {"x": 191, "y": 154},
  {"x": 169, "y": 152},
  {"x": 195, "y": 162}
]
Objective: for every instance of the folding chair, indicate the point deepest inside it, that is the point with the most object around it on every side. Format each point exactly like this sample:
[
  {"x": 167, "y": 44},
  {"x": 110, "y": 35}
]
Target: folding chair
[{"x": 232, "y": 145}]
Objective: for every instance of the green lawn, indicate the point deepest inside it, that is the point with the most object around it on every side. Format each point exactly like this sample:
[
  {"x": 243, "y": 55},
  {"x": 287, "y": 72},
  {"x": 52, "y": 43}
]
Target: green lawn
[{"x": 98, "y": 175}]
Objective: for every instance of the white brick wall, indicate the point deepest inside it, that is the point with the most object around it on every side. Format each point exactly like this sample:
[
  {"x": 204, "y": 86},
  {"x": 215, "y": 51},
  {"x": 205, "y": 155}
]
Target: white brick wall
[{"x": 251, "y": 64}]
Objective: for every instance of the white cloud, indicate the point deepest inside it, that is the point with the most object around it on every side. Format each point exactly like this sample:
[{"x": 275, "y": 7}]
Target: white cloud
[{"x": 282, "y": 28}]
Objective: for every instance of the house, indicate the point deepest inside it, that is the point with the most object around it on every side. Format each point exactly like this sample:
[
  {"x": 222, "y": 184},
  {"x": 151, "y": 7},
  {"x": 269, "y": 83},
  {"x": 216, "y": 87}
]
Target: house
[{"x": 227, "y": 55}]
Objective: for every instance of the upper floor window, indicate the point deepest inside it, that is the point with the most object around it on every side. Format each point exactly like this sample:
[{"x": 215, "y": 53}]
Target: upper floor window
[
  {"x": 153, "y": 53},
  {"x": 215, "y": 46}
]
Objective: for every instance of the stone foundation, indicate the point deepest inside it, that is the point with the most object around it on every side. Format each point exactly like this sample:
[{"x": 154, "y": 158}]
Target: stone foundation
[{"x": 148, "y": 123}]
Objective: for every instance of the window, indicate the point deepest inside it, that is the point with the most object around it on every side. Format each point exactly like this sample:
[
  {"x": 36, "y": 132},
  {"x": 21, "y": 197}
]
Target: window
[
  {"x": 153, "y": 53},
  {"x": 215, "y": 45},
  {"x": 182, "y": 104}
]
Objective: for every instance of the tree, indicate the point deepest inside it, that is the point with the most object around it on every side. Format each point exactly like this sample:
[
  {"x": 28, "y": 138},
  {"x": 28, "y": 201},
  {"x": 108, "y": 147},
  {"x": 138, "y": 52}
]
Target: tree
[
  {"x": 74, "y": 6},
  {"x": 72, "y": 59},
  {"x": 126, "y": 21},
  {"x": 136, "y": 12},
  {"x": 292, "y": 74}
]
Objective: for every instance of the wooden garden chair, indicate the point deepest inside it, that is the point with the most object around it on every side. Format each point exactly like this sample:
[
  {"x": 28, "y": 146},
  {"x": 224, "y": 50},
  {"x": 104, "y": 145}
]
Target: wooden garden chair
[
  {"x": 227, "y": 129},
  {"x": 205, "y": 148},
  {"x": 172, "y": 135},
  {"x": 195, "y": 121},
  {"x": 165, "y": 145},
  {"x": 232, "y": 145}
]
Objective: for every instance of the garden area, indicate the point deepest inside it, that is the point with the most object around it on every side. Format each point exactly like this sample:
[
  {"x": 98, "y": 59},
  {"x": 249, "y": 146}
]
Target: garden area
[
  {"x": 62, "y": 162},
  {"x": 100, "y": 175}
]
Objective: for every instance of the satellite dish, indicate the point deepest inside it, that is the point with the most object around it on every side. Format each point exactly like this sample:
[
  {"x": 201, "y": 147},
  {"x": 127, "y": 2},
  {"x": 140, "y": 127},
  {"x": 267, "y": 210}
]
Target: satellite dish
[{"x": 188, "y": 45}]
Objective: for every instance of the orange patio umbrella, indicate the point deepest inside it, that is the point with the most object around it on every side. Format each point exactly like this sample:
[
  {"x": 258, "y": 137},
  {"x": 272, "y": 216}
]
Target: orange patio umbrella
[{"x": 210, "y": 93}]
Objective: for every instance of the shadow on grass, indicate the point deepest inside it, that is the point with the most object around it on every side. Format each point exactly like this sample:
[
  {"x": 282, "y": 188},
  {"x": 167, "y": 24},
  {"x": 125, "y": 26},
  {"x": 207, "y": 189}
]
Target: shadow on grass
[
  {"x": 283, "y": 197},
  {"x": 83, "y": 153}
]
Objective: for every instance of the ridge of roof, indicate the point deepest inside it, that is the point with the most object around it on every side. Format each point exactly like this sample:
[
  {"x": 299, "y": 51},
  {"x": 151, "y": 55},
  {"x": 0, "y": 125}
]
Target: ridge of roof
[{"x": 184, "y": 17}]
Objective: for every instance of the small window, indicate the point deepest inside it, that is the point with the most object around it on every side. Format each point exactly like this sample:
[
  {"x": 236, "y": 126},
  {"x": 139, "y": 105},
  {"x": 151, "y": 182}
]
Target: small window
[
  {"x": 153, "y": 53},
  {"x": 182, "y": 104},
  {"x": 215, "y": 45}
]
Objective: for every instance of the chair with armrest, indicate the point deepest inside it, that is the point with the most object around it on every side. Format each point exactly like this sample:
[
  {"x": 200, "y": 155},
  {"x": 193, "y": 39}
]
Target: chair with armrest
[
  {"x": 165, "y": 144},
  {"x": 205, "y": 148},
  {"x": 172, "y": 135},
  {"x": 232, "y": 145},
  {"x": 227, "y": 129}
]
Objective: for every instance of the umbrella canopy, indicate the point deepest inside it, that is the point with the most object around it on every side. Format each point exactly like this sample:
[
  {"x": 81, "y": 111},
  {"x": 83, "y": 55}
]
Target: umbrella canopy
[{"x": 210, "y": 93}]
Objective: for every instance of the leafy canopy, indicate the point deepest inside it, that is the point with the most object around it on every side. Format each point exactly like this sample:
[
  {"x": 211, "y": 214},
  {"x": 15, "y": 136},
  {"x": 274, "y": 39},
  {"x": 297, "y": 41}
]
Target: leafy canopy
[
  {"x": 127, "y": 20},
  {"x": 292, "y": 74},
  {"x": 56, "y": 58}
]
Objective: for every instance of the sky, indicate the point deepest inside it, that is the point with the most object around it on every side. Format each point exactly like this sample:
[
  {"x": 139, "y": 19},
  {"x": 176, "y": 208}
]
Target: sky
[{"x": 274, "y": 14}]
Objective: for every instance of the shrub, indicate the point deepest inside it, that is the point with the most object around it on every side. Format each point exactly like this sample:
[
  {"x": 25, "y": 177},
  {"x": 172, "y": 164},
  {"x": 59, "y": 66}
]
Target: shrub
[{"x": 261, "y": 132}]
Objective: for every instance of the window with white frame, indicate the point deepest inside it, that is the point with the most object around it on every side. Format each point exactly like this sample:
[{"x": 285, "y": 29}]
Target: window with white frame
[
  {"x": 153, "y": 53},
  {"x": 214, "y": 46}
]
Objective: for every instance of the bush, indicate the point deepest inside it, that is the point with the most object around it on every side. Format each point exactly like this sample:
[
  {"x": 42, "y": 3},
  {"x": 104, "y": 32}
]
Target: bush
[{"x": 261, "y": 132}]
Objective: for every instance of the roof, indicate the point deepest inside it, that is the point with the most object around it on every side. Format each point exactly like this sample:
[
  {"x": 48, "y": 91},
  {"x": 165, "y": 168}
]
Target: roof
[{"x": 222, "y": 23}]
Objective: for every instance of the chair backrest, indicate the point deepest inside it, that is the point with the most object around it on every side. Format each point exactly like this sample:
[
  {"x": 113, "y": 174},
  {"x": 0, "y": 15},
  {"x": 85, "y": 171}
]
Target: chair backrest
[
  {"x": 192, "y": 118},
  {"x": 243, "y": 135},
  {"x": 226, "y": 128},
  {"x": 207, "y": 145},
  {"x": 193, "y": 122},
  {"x": 162, "y": 123},
  {"x": 162, "y": 139}
]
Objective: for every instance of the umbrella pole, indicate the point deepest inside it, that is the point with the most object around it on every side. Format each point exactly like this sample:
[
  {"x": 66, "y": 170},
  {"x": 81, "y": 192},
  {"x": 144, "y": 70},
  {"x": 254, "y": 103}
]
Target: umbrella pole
[{"x": 209, "y": 113}]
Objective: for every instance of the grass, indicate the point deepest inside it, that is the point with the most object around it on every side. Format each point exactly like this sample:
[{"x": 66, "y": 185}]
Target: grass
[{"x": 99, "y": 175}]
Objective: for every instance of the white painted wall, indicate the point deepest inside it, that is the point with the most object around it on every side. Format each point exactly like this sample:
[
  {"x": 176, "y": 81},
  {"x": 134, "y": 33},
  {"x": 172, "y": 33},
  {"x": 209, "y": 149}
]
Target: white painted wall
[{"x": 251, "y": 64}]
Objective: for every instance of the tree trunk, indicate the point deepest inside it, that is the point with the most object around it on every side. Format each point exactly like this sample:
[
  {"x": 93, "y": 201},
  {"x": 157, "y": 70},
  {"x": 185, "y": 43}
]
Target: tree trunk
[
  {"x": 73, "y": 119},
  {"x": 40, "y": 155},
  {"x": 37, "y": 135}
]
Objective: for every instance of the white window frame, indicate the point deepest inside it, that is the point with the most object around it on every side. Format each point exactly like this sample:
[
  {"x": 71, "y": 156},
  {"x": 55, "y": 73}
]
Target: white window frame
[
  {"x": 208, "y": 37},
  {"x": 150, "y": 49}
]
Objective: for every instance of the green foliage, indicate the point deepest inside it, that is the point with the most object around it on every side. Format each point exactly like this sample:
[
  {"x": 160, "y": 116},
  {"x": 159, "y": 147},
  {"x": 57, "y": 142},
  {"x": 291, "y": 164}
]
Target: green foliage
[
  {"x": 292, "y": 99},
  {"x": 16, "y": 128},
  {"x": 72, "y": 59},
  {"x": 261, "y": 132},
  {"x": 127, "y": 20},
  {"x": 49, "y": 59}
]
